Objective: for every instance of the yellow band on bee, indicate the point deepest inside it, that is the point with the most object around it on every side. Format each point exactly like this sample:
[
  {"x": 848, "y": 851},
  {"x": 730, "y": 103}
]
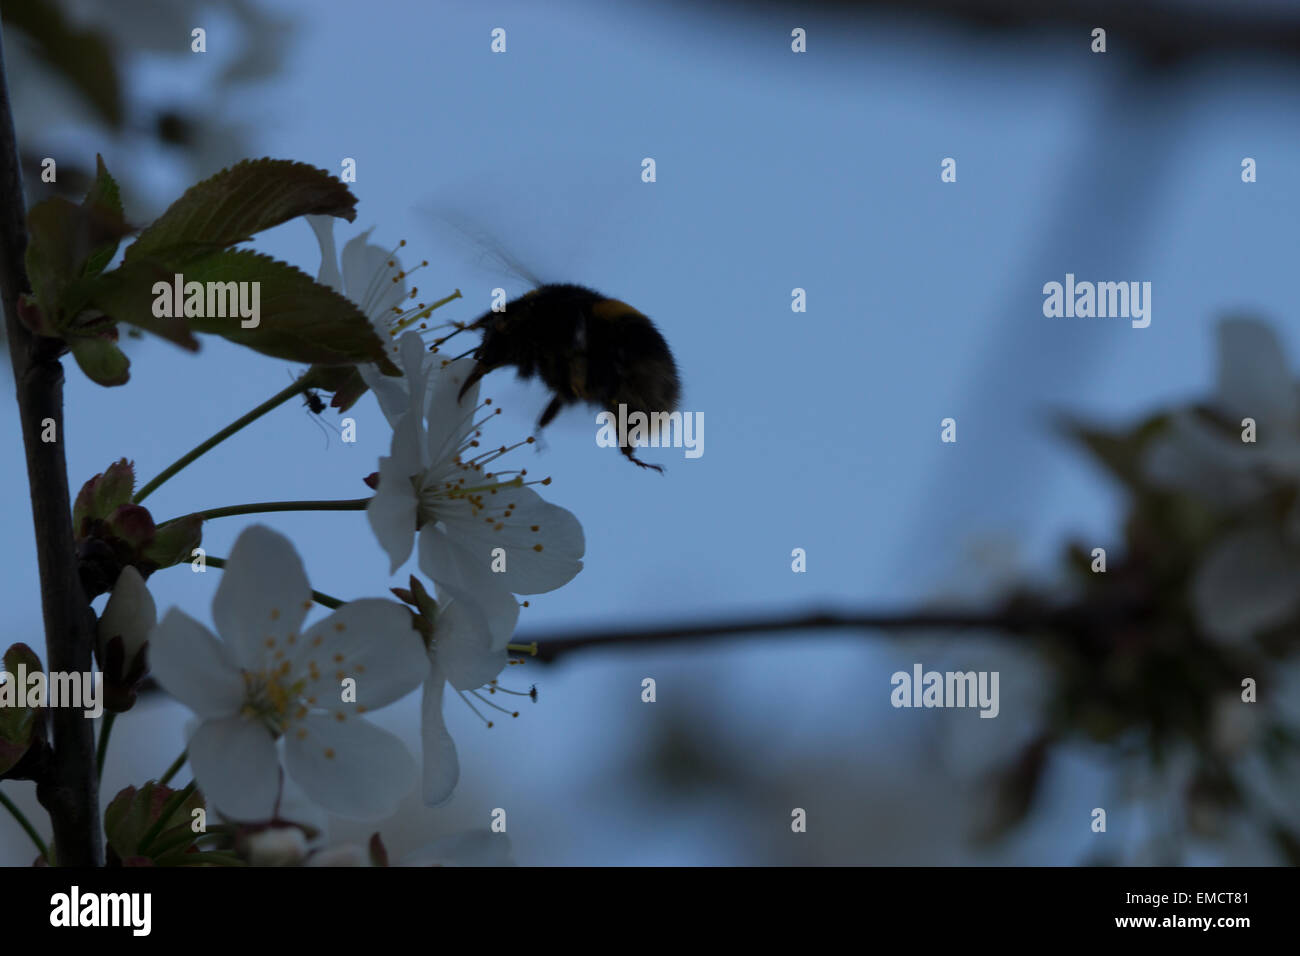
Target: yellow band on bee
[{"x": 612, "y": 309}]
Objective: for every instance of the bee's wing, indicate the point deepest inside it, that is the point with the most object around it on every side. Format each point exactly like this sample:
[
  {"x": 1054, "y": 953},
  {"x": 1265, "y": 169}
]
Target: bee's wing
[{"x": 492, "y": 255}]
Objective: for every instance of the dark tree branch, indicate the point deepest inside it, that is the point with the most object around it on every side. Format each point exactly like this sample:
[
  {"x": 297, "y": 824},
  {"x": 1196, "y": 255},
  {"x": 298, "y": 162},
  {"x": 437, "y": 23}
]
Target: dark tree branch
[
  {"x": 69, "y": 792},
  {"x": 1009, "y": 620},
  {"x": 1163, "y": 33}
]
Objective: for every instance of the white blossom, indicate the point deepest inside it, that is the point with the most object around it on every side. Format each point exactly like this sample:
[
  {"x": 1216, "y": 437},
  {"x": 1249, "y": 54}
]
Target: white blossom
[{"x": 269, "y": 681}]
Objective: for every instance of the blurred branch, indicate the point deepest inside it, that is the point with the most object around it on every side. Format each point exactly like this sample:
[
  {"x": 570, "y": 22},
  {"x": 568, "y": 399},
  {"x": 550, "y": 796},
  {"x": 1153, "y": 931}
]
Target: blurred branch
[
  {"x": 1009, "y": 619},
  {"x": 83, "y": 58},
  {"x": 1013, "y": 618},
  {"x": 70, "y": 792},
  {"x": 1163, "y": 32}
]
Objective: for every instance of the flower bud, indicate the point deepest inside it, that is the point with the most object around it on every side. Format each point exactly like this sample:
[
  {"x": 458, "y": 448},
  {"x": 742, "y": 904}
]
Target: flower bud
[
  {"x": 346, "y": 854},
  {"x": 276, "y": 846},
  {"x": 102, "y": 494},
  {"x": 122, "y": 637}
]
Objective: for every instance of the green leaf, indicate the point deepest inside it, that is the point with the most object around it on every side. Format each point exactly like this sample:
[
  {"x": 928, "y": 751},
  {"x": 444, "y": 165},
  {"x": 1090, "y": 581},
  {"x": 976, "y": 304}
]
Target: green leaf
[
  {"x": 299, "y": 319},
  {"x": 63, "y": 238},
  {"x": 17, "y": 724},
  {"x": 100, "y": 358},
  {"x": 175, "y": 541},
  {"x": 133, "y": 812},
  {"x": 127, "y": 295},
  {"x": 106, "y": 198},
  {"x": 1120, "y": 452},
  {"x": 103, "y": 494},
  {"x": 238, "y": 202}
]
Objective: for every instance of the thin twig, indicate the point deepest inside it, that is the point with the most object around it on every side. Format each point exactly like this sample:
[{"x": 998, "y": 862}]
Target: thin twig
[
  {"x": 175, "y": 767},
  {"x": 1163, "y": 33},
  {"x": 321, "y": 598},
  {"x": 26, "y": 825},
  {"x": 266, "y": 507},
  {"x": 279, "y": 398},
  {"x": 105, "y": 732}
]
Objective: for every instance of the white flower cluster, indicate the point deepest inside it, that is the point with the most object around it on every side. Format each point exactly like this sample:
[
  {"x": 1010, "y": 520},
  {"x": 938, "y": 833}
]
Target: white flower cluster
[
  {"x": 1250, "y": 580},
  {"x": 273, "y": 694}
]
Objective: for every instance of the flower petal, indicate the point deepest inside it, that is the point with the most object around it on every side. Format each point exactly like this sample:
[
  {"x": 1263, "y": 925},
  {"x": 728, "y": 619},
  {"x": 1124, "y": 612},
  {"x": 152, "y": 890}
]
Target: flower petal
[
  {"x": 392, "y": 392},
  {"x": 349, "y": 854},
  {"x": 450, "y": 418},
  {"x": 276, "y": 846},
  {"x": 464, "y": 645},
  {"x": 372, "y": 641},
  {"x": 368, "y": 279},
  {"x": 500, "y": 615},
  {"x": 441, "y": 766},
  {"x": 1253, "y": 377},
  {"x": 236, "y": 766},
  {"x": 1248, "y": 583},
  {"x": 461, "y": 569},
  {"x": 402, "y": 395},
  {"x": 350, "y": 767},
  {"x": 536, "y": 560},
  {"x": 129, "y": 614},
  {"x": 393, "y": 511},
  {"x": 194, "y": 667},
  {"x": 263, "y": 597},
  {"x": 416, "y": 365},
  {"x": 323, "y": 227},
  {"x": 1193, "y": 458},
  {"x": 296, "y": 807}
]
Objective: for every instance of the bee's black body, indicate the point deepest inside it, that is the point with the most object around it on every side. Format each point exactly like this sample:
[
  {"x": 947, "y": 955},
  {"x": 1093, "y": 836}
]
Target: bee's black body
[{"x": 585, "y": 347}]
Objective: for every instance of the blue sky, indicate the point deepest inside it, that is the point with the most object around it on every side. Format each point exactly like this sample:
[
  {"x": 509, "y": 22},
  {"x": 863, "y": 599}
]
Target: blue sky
[{"x": 775, "y": 171}]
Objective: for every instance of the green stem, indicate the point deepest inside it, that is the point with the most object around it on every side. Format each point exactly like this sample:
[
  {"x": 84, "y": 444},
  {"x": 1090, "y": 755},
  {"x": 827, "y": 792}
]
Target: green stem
[
  {"x": 174, "y": 768},
  {"x": 168, "y": 808},
  {"x": 320, "y": 597},
  {"x": 26, "y": 825},
  {"x": 279, "y": 398},
  {"x": 105, "y": 729},
  {"x": 264, "y": 507}
]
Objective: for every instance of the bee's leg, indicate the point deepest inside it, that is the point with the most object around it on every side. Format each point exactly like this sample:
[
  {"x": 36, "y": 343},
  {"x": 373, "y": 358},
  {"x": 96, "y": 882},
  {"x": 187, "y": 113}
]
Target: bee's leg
[
  {"x": 475, "y": 374},
  {"x": 551, "y": 411},
  {"x": 627, "y": 450},
  {"x": 548, "y": 415}
]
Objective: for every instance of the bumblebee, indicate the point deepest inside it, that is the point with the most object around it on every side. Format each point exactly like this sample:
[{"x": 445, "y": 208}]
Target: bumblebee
[{"x": 585, "y": 347}]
